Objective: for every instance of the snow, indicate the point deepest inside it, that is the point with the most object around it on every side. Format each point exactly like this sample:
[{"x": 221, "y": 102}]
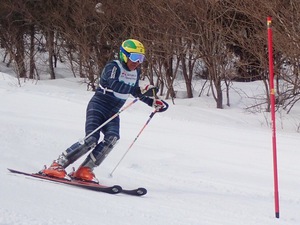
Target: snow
[{"x": 201, "y": 165}]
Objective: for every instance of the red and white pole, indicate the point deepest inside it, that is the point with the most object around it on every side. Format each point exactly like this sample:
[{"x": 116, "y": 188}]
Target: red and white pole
[{"x": 272, "y": 99}]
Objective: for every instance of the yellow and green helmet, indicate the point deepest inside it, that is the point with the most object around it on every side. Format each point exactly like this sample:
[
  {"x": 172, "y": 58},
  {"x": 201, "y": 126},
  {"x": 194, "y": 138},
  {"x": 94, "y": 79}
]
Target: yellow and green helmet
[{"x": 130, "y": 46}]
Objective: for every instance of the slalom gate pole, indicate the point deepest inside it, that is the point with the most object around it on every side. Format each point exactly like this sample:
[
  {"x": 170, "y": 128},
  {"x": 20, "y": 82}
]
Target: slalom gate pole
[
  {"x": 272, "y": 100},
  {"x": 107, "y": 121},
  {"x": 150, "y": 117}
]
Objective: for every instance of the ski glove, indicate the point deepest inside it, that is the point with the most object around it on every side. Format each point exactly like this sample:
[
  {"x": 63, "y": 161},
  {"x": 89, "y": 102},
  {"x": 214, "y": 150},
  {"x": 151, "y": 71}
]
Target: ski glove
[
  {"x": 149, "y": 90},
  {"x": 158, "y": 105}
]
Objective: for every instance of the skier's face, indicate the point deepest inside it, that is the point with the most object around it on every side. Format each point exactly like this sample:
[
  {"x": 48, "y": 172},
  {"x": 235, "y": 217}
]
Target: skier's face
[{"x": 132, "y": 65}]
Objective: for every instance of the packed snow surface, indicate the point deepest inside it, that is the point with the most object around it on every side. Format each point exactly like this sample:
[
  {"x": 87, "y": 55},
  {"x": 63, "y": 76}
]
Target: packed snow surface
[{"x": 200, "y": 165}]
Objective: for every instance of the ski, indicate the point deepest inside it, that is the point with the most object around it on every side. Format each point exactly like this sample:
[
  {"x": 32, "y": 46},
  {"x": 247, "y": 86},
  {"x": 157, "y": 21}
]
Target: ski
[
  {"x": 137, "y": 192},
  {"x": 115, "y": 189}
]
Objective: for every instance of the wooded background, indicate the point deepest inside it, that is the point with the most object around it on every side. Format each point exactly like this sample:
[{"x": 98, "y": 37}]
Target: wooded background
[{"x": 219, "y": 41}]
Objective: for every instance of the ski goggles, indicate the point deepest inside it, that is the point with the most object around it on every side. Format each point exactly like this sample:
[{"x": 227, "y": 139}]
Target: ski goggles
[{"x": 134, "y": 57}]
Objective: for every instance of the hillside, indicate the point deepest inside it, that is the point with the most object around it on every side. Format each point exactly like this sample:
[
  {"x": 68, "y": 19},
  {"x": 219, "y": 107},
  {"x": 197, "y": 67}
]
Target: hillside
[{"x": 201, "y": 165}]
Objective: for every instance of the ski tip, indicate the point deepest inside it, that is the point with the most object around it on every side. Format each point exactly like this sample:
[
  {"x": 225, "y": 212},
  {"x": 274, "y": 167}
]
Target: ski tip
[{"x": 12, "y": 170}]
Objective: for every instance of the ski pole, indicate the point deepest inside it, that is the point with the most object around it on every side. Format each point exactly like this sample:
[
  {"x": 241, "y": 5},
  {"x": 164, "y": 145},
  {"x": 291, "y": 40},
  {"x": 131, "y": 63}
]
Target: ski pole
[
  {"x": 150, "y": 117},
  {"x": 107, "y": 121}
]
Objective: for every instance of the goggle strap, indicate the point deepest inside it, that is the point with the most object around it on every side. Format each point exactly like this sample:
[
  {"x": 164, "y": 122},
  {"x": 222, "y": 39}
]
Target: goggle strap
[{"x": 124, "y": 51}]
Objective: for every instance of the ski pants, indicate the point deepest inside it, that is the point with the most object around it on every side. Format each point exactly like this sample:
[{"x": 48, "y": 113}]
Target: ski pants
[{"x": 100, "y": 108}]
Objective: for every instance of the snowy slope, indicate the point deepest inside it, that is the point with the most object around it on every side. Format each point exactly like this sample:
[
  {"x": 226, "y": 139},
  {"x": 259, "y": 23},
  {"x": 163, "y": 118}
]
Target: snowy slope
[{"x": 201, "y": 165}]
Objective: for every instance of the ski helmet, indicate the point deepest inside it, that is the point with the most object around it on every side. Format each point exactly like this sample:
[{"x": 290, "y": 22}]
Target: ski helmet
[{"x": 130, "y": 46}]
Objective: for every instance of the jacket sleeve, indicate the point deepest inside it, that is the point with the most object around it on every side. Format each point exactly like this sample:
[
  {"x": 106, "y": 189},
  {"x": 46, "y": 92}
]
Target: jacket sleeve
[{"x": 147, "y": 100}]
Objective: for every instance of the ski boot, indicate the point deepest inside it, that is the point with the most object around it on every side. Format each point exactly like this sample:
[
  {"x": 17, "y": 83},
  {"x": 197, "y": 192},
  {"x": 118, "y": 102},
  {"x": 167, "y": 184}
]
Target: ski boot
[
  {"x": 84, "y": 173},
  {"x": 56, "y": 171}
]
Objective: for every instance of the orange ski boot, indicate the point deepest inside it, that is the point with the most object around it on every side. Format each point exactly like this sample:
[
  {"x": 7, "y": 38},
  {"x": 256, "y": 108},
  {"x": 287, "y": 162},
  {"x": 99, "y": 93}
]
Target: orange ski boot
[
  {"x": 85, "y": 173},
  {"x": 57, "y": 171}
]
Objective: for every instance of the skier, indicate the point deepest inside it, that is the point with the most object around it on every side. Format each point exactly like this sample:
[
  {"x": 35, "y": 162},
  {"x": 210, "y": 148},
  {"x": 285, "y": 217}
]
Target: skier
[{"x": 119, "y": 79}]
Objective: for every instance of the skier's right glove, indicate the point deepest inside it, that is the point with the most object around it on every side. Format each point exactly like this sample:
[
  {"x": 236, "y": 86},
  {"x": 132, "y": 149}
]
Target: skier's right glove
[{"x": 149, "y": 90}]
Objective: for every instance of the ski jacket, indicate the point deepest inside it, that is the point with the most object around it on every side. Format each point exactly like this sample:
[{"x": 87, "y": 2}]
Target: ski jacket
[
  {"x": 118, "y": 81},
  {"x": 116, "y": 84}
]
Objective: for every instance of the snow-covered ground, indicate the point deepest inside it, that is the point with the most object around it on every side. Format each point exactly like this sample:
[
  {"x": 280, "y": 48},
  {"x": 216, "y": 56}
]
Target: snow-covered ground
[{"x": 201, "y": 165}]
